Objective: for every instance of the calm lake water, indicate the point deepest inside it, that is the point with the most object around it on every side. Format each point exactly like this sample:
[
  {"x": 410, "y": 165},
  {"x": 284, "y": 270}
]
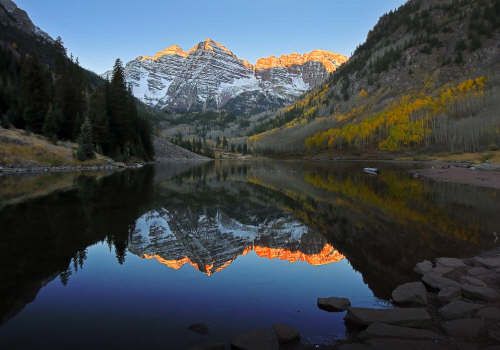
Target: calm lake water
[{"x": 132, "y": 259}]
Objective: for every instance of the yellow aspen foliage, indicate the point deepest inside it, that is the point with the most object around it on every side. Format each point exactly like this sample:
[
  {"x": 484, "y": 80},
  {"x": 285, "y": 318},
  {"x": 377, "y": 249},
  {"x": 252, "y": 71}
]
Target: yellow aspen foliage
[
  {"x": 404, "y": 122},
  {"x": 363, "y": 93}
]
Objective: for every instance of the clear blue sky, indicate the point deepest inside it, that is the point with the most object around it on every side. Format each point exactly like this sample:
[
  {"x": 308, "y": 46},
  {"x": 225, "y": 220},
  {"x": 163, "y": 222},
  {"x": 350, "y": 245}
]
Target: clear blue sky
[{"x": 99, "y": 31}]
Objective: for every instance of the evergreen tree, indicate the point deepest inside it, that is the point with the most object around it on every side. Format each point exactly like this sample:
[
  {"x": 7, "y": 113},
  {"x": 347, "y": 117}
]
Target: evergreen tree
[
  {"x": 51, "y": 123},
  {"x": 85, "y": 144}
]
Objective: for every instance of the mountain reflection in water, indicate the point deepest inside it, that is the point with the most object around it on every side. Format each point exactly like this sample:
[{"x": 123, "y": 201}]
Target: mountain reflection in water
[
  {"x": 346, "y": 233},
  {"x": 211, "y": 243}
]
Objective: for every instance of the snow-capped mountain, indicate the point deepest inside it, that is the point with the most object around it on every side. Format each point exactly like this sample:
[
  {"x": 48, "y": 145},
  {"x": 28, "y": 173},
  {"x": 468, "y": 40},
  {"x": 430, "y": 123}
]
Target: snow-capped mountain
[
  {"x": 210, "y": 77},
  {"x": 211, "y": 242}
]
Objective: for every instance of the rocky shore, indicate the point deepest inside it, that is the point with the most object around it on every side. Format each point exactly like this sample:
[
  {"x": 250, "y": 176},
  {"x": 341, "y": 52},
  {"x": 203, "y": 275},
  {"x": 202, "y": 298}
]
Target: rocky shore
[
  {"x": 454, "y": 306},
  {"x": 67, "y": 168}
]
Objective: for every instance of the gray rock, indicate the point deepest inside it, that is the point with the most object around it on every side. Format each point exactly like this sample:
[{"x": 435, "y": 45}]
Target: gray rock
[
  {"x": 382, "y": 330},
  {"x": 489, "y": 313},
  {"x": 411, "y": 317},
  {"x": 491, "y": 263},
  {"x": 437, "y": 281},
  {"x": 286, "y": 334},
  {"x": 423, "y": 267},
  {"x": 410, "y": 293},
  {"x": 400, "y": 344},
  {"x": 334, "y": 304},
  {"x": 259, "y": 339},
  {"x": 450, "y": 262},
  {"x": 478, "y": 271},
  {"x": 468, "y": 327},
  {"x": 473, "y": 281},
  {"x": 479, "y": 293},
  {"x": 448, "y": 294},
  {"x": 458, "y": 309}
]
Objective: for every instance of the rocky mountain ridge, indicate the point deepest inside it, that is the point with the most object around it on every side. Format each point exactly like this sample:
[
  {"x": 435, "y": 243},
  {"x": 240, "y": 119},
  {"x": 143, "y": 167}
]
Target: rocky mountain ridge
[
  {"x": 11, "y": 15},
  {"x": 211, "y": 77}
]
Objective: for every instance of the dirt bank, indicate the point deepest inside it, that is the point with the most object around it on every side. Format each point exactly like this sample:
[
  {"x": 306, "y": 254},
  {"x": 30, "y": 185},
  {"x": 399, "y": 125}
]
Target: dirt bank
[{"x": 481, "y": 175}]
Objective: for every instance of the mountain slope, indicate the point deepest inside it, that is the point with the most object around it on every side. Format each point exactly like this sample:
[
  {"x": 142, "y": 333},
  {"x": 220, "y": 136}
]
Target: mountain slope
[
  {"x": 426, "y": 78},
  {"x": 210, "y": 77}
]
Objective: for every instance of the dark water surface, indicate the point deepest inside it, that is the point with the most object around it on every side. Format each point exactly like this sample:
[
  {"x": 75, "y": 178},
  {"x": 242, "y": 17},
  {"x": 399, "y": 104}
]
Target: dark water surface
[{"x": 132, "y": 259}]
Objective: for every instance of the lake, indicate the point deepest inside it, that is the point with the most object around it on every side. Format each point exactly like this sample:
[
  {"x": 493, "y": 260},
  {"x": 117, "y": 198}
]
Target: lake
[{"x": 133, "y": 258}]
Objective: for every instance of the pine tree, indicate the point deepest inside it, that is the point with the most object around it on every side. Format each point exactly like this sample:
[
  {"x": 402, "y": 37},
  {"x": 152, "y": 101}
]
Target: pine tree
[
  {"x": 51, "y": 123},
  {"x": 85, "y": 144}
]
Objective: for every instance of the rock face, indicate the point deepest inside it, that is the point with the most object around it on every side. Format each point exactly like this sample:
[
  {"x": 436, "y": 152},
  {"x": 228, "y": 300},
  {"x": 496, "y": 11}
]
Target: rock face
[
  {"x": 11, "y": 15},
  {"x": 210, "y": 77}
]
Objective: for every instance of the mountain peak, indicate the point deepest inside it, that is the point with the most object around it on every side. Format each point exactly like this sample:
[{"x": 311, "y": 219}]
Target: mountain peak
[
  {"x": 170, "y": 51},
  {"x": 330, "y": 60}
]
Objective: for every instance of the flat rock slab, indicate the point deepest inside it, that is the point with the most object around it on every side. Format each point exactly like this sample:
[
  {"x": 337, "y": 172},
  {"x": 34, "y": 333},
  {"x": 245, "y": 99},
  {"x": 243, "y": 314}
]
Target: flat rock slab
[
  {"x": 437, "y": 281},
  {"x": 491, "y": 263},
  {"x": 450, "y": 262},
  {"x": 410, "y": 293},
  {"x": 259, "y": 339},
  {"x": 285, "y": 333},
  {"x": 469, "y": 327},
  {"x": 448, "y": 294},
  {"x": 411, "y": 317},
  {"x": 489, "y": 313},
  {"x": 480, "y": 293},
  {"x": 474, "y": 281},
  {"x": 478, "y": 271},
  {"x": 423, "y": 267},
  {"x": 382, "y": 330},
  {"x": 400, "y": 344},
  {"x": 334, "y": 304},
  {"x": 458, "y": 309}
]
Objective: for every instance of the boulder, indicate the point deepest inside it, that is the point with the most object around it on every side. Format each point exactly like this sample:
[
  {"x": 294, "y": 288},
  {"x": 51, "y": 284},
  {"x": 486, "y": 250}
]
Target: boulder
[
  {"x": 450, "y": 262},
  {"x": 410, "y": 317},
  {"x": 404, "y": 344},
  {"x": 259, "y": 339},
  {"x": 423, "y": 267},
  {"x": 489, "y": 313},
  {"x": 458, "y": 309},
  {"x": 382, "y": 330},
  {"x": 334, "y": 304},
  {"x": 286, "y": 334},
  {"x": 474, "y": 281},
  {"x": 437, "y": 281},
  {"x": 468, "y": 327},
  {"x": 448, "y": 294},
  {"x": 491, "y": 263},
  {"x": 478, "y": 271},
  {"x": 479, "y": 293},
  {"x": 410, "y": 293}
]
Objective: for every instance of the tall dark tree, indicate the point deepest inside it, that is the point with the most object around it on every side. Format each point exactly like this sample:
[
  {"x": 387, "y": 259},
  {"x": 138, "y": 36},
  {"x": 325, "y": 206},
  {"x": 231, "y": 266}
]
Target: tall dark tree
[{"x": 85, "y": 143}]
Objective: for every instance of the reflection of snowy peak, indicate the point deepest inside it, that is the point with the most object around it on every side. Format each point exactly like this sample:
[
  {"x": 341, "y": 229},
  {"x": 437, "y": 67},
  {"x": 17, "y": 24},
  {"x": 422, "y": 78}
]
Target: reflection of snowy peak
[
  {"x": 211, "y": 77},
  {"x": 212, "y": 242}
]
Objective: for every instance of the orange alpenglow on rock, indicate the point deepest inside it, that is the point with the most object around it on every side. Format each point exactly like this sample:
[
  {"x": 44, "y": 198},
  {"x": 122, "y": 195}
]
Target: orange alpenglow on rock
[
  {"x": 327, "y": 255},
  {"x": 170, "y": 51},
  {"x": 330, "y": 60}
]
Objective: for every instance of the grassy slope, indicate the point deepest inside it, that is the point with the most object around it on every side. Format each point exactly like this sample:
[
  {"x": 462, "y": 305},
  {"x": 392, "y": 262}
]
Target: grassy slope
[{"x": 18, "y": 149}]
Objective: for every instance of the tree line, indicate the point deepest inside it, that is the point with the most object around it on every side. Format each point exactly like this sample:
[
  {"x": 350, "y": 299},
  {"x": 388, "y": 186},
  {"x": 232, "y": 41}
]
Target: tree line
[{"x": 60, "y": 102}]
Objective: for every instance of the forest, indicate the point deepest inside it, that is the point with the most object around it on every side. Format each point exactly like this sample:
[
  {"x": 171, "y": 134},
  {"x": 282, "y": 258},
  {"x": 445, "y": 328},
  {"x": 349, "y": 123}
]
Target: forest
[
  {"x": 59, "y": 99},
  {"x": 425, "y": 80}
]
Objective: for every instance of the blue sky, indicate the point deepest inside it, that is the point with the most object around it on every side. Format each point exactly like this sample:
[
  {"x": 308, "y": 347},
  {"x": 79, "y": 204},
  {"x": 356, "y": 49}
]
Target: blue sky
[{"x": 99, "y": 31}]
